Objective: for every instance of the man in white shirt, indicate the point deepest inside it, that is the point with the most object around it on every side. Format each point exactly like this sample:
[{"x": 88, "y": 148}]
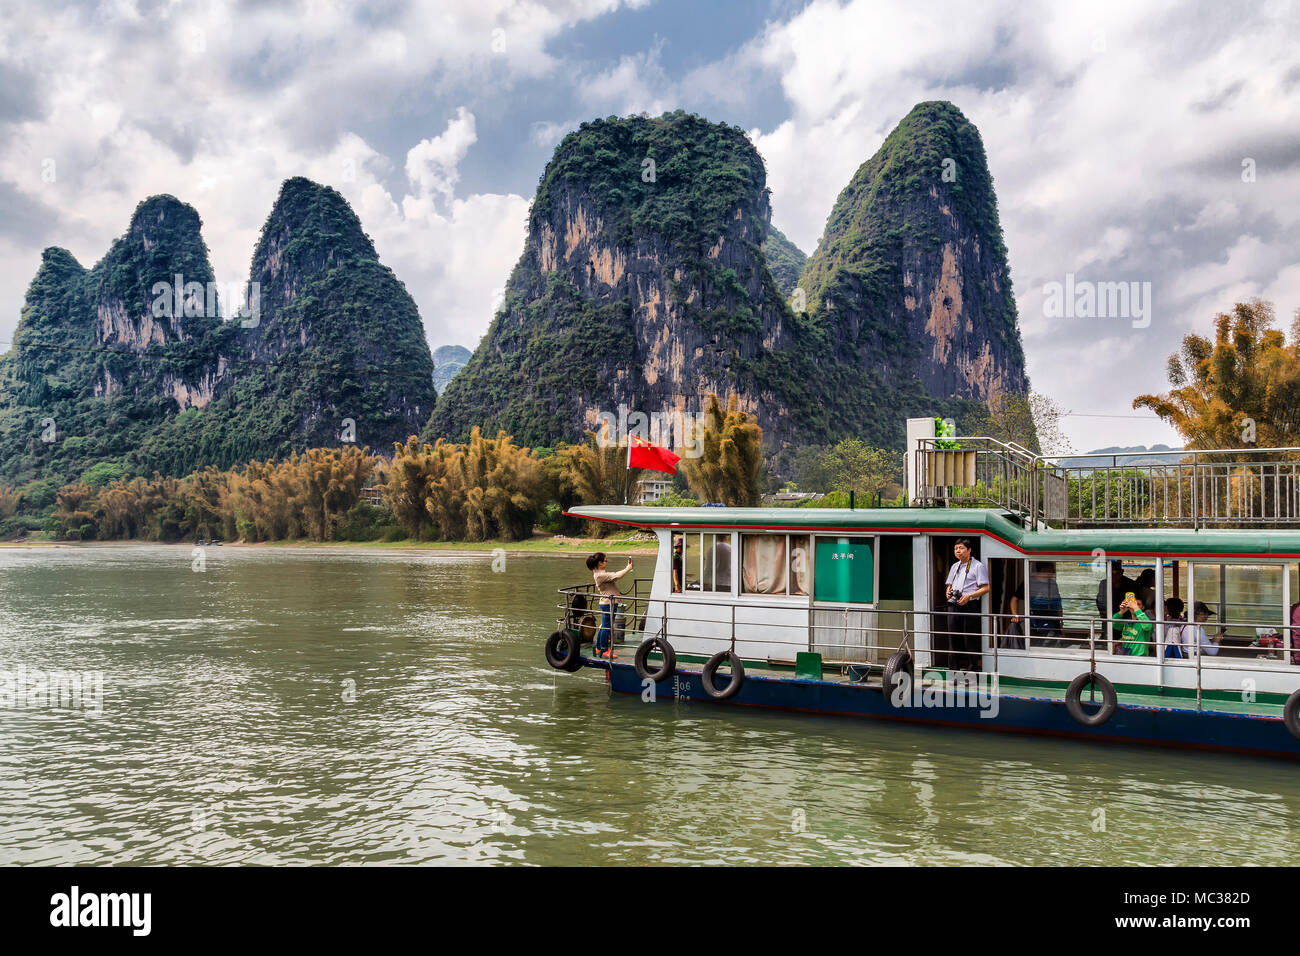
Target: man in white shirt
[
  {"x": 1195, "y": 640},
  {"x": 967, "y": 582}
]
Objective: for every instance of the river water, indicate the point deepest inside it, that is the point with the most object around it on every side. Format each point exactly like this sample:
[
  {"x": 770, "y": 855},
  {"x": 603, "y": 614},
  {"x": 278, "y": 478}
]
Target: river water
[{"x": 320, "y": 706}]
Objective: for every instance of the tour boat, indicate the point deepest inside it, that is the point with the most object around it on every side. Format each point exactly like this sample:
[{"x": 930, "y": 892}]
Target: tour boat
[{"x": 844, "y": 611}]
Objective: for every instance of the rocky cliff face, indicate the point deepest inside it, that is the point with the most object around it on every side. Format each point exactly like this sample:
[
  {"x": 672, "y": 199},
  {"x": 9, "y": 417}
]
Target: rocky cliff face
[
  {"x": 155, "y": 293},
  {"x": 652, "y": 277},
  {"x": 642, "y": 283},
  {"x": 141, "y": 366},
  {"x": 910, "y": 277},
  {"x": 338, "y": 338}
]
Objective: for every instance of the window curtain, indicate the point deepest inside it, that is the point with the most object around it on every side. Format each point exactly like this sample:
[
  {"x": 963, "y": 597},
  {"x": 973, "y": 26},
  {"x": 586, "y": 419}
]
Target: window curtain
[{"x": 763, "y": 564}]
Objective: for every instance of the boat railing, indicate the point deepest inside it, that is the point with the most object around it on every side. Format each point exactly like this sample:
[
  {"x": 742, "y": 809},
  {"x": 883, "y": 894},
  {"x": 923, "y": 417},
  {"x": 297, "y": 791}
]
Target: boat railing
[
  {"x": 866, "y": 645},
  {"x": 1235, "y": 487},
  {"x": 581, "y": 601}
]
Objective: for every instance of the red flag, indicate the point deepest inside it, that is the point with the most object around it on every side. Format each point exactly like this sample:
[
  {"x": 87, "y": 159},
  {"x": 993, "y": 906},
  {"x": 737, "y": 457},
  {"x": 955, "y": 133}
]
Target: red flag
[{"x": 642, "y": 454}]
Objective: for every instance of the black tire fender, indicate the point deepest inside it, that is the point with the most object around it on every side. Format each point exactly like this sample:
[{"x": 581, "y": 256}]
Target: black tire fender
[
  {"x": 710, "y": 671},
  {"x": 1074, "y": 704},
  {"x": 642, "y": 660},
  {"x": 899, "y": 662},
  {"x": 1291, "y": 714},
  {"x": 564, "y": 651}
]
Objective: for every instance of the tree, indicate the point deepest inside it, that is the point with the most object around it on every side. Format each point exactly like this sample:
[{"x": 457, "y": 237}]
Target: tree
[
  {"x": 9, "y": 500},
  {"x": 1241, "y": 389},
  {"x": 589, "y": 474},
  {"x": 808, "y": 469},
  {"x": 855, "y": 466},
  {"x": 728, "y": 470},
  {"x": 1031, "y": 420}
]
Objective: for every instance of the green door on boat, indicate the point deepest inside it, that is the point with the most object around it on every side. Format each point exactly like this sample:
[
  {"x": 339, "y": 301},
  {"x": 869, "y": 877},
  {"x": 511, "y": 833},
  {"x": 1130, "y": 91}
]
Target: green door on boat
[{"x": 845, "y": 571}]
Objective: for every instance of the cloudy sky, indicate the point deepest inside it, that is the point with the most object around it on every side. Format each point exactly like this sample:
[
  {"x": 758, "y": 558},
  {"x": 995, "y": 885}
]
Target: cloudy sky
[{"x": 1129, "y": 141}]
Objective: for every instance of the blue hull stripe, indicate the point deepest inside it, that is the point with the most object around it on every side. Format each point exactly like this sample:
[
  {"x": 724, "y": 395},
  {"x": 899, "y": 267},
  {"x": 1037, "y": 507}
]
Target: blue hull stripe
[{"x": 1130, "y": 724}]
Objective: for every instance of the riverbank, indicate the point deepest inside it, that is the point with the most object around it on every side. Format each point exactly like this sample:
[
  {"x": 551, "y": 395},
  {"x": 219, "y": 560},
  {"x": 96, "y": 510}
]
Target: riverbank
[{"x": 549, "y": 544}]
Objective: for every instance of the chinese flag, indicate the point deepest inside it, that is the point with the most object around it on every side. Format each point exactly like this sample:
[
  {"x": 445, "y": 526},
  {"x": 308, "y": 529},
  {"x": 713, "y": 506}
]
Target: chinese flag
[{"x": 642, "y": 454}]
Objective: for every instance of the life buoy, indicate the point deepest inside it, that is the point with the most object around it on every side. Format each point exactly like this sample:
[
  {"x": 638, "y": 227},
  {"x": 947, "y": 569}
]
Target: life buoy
[
  {"x": 1291, "y": 714},
  {"x": 732, "y": 687},
  {"x": 1074, "y": 704},
  {"x": 642, "y": 660},
  {"x": 563, "y": 651}
]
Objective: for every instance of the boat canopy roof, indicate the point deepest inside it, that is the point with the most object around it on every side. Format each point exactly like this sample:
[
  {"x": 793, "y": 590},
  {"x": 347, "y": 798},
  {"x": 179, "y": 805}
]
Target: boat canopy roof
[{"x": 1117, "y": 543}]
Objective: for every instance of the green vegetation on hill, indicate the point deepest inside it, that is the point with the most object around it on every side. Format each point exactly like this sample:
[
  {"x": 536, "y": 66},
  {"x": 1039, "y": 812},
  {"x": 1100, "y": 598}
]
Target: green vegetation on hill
[
  {"x": 890, "y": 204},
  {"x": 106, "y": 394},
  {"x": 663, "y": 190},
  {"x": 699, "y": 266},
  {"x": 338, "y": 338},
  {"x": 703, "y": 173}
]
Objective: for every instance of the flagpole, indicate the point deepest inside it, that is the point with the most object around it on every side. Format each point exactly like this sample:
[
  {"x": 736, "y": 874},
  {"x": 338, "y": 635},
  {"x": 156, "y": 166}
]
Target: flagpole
[{"x": 627, "y": 477}]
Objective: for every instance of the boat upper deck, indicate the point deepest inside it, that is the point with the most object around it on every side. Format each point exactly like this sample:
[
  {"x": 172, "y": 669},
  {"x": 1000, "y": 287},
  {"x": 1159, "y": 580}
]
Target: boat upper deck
[{"x": 1258, "y": 542}]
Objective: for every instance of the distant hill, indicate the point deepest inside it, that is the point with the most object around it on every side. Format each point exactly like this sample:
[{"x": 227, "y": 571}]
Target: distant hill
[
  {"x": 447, "y": 361},
  {"x": 108, "y": 376},
  {"x": 1128, "y": 455}
]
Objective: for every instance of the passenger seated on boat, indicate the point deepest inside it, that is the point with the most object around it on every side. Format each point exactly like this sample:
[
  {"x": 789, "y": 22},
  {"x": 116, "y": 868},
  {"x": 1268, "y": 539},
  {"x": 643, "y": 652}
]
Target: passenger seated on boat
[
  {"x": 1135, "y": 628},
  {"x": 1174, "y": 621},
  {"x": 1195, "y": 640},
  {"x": 607, "y": 585}
]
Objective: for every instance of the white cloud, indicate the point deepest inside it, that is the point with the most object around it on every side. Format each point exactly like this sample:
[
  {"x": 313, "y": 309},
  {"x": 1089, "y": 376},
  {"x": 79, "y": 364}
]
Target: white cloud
[
  {"x": 637, "y": 83},
  {"x": 1115, "y": 134},
  {"x": 432, "y": 164},
  {"x": 219, "y": 103}
]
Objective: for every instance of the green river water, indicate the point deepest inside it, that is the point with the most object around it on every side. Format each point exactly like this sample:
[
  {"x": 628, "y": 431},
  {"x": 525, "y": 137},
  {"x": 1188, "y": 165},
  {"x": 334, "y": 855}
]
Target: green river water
[{"x": 349, "y": 707}]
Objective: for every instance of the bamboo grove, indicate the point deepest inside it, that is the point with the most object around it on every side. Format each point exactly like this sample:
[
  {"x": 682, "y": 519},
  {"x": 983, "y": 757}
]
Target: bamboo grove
[{"x": 486, "y": 489}]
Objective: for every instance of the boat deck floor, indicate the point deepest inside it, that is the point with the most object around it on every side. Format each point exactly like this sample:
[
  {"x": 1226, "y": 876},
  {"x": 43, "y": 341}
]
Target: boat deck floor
[{"x": 838, "y": 674}]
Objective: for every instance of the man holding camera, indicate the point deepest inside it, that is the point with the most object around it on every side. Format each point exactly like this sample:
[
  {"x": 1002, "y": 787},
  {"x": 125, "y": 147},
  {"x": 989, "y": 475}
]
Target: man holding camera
[{"x": 967, "y": 582}]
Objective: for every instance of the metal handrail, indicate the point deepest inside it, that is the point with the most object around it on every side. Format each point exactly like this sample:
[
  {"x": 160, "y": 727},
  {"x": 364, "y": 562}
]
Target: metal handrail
[
  {"x": 1183, "y": 488},
  {"x": 995, "y": 634}
]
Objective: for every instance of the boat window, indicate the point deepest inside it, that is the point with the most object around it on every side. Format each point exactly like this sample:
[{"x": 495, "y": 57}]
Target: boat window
[
  {"x": 719, "y": 546},
  {"x": 774, "y": 564},
  {"x": 691, "y": 560},
  {"x": 1246, "y": 600},
  {"x": 707, "y": 560},
  {"x": 799, "y": 564},
  {"x": 1064, "y": 598}
]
